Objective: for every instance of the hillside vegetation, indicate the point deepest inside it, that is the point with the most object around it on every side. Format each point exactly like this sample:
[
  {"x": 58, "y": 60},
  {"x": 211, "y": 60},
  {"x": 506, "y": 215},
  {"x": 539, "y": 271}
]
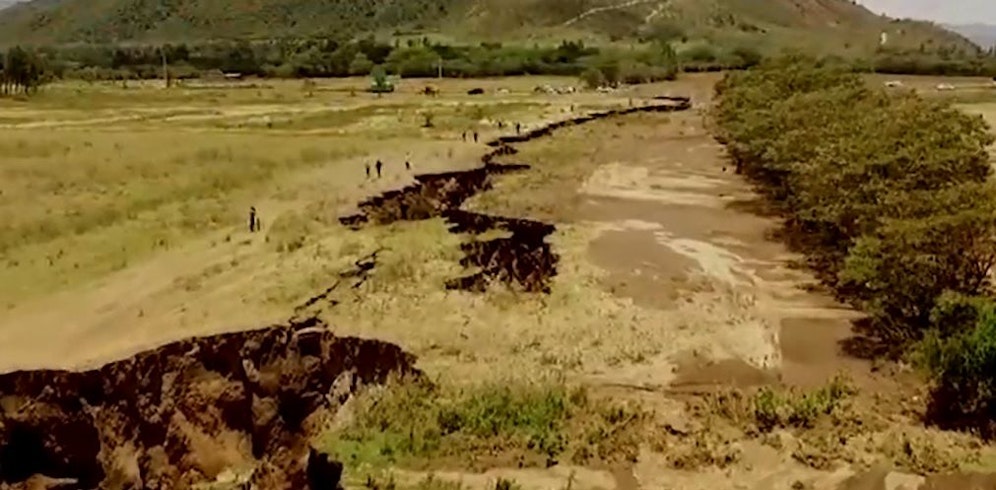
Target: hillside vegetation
[
  {"x": 892, "y": 199},
  {"x": 827, "y": 25}
]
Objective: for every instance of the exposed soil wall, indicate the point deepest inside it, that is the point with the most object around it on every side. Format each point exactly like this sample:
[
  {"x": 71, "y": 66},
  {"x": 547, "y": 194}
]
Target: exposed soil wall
[{"x": 524, "y": 259}]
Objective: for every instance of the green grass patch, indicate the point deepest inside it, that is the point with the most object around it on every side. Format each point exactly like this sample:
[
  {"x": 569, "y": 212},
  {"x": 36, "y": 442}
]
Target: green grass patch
[
  {"x": 417, "y": 424},
  {"x": 432, "y": 482},
  {"x": 769, "y": 408}
]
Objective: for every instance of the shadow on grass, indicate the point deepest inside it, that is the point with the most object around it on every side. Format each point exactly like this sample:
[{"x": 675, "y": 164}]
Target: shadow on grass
[{"x": 866, "y": 343}]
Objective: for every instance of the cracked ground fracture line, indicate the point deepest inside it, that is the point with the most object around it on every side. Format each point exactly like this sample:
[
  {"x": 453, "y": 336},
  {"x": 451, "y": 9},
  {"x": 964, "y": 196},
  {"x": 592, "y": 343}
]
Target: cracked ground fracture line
[{"x": 523, "y": 259}]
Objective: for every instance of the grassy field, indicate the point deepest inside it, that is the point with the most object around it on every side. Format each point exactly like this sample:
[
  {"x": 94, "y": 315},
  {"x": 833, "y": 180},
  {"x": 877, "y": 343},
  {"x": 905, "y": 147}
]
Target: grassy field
[
  {"x": 97, "y": 177},
  {"x": 678, "y": 347}
]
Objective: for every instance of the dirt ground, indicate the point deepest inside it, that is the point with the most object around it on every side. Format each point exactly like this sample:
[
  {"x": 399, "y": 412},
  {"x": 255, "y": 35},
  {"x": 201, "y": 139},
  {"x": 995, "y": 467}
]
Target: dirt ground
[{"x": 669, "y": 283}]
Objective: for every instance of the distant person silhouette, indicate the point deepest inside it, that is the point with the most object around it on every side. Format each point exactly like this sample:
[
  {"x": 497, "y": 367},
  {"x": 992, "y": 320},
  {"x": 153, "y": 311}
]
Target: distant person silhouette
[
  {"x": 475, "y": 136},
  {"x": 367, "y": 165},
  {"x": 252, "y": 220},
  {"x": 379, "y": 166}
]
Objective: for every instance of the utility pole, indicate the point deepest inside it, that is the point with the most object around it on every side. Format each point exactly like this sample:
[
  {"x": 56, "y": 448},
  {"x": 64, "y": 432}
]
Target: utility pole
[{"x": 162, "y": 50}]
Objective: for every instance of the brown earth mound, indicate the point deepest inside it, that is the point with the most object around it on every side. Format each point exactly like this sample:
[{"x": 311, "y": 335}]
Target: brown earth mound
[{"x": 524, "y": 259}]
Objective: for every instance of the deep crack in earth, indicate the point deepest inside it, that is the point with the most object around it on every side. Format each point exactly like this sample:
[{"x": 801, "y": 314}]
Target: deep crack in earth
[{"x": 523, "y": 259}]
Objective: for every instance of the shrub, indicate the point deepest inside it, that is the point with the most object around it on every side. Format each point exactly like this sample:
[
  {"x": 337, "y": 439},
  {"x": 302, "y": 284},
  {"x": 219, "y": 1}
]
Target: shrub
[
  {"x": 747, "y": 56},
  {"x": 772, "y": 409},
  {"x": 700, "y": 53},
  {"x": 962, "y": 368},
  {"x": 361, "y": 65},
  {"x": 593, "y": 78}
]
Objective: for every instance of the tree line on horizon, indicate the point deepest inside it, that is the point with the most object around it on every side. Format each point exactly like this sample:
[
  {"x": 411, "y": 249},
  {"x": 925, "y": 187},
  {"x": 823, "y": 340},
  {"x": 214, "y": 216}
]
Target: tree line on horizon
[{"x": 650, "y": 60}]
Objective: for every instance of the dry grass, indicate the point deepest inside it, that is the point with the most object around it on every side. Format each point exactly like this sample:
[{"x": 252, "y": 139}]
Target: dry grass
[
  {"x": 821, "y": 428},
  {"x": 97, "y": 177}
]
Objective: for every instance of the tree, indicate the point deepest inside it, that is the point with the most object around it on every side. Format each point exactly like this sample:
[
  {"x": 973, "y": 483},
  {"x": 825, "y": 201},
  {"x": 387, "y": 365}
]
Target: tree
[
  {"x": 361, "y": 65},
  {"x": 948, "y": 244},
  {"x": 748, "y": 56},
  {"x": 380, "y": 82},
  {"x": 23, "y": 72},
  {"x": 961, "y": 367},
  {"x": 593, "y": 78}
]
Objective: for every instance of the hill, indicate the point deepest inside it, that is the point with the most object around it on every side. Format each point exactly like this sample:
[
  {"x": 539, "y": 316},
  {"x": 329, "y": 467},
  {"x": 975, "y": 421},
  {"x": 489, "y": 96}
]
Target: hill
[
  {"x": 982, "y": 34},
  {"x": 826, "y": 25}
]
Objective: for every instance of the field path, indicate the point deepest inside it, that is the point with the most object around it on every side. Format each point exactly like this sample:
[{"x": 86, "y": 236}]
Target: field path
[{"x": 596, "y": 10}]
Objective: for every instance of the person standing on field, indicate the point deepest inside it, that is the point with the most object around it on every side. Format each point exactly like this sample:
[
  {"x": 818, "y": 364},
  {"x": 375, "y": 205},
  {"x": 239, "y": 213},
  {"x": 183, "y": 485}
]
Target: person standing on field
[
  {"x": 367, "y": 166},
  {"x": 252, "y": 219},
  {"x": 475, "y": 136},
  {"x": 379, "y": 166}
]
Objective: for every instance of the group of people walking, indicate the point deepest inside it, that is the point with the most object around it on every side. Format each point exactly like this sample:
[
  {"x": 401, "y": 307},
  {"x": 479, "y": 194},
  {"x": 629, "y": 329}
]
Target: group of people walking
[
  {"x": 501, "y": 125},
  {"x": 379, "y": 167}
]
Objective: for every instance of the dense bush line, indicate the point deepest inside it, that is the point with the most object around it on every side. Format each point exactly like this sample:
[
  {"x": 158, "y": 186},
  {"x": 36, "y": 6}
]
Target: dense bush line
[
  {"x": 891, "y": 199},
  {"x": 652, "y": 59},
  {"x": 21, "y": 72},
  {"x": 319, "y": 58}
]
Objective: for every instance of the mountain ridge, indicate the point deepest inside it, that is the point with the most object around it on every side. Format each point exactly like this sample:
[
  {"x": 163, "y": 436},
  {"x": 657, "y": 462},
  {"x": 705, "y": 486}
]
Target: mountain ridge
[
  {"x": 822, "y": 25},
  {"x": 980, "y": 33}
]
